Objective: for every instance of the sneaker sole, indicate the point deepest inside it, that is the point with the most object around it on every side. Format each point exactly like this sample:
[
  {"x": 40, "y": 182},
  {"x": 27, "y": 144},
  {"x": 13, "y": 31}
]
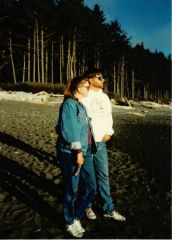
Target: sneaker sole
[
  {"x": 107, "y": 216},
  {"x": 79, "y": 235},
  {"x": 92, "y": 218}
]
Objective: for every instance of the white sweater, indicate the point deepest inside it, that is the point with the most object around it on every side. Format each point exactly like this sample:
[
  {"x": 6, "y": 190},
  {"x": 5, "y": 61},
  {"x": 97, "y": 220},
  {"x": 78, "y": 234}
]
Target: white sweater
[{"x": 99, "y": 110}]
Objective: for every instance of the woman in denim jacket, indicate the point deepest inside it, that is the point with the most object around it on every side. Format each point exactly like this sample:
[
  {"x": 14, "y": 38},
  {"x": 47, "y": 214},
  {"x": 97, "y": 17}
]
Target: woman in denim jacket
[{"x": 74, "y": 145}]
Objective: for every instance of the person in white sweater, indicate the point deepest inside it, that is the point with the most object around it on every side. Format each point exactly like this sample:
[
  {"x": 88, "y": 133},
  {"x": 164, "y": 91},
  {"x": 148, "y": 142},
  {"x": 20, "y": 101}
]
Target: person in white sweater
[{"x": 99, "y": 110}]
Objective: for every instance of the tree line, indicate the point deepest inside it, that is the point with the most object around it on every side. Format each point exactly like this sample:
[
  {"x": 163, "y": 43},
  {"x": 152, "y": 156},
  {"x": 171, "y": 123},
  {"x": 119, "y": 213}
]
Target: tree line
[{"x": 51, "y": 41}]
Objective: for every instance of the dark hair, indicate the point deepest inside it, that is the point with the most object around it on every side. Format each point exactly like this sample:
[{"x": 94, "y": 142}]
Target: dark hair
[
  {"x": 90, "y": 73},
  {"x": 72, "y": 86}
]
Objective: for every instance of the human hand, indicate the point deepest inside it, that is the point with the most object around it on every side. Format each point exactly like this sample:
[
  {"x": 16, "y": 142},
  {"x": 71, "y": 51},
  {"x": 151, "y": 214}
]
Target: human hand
[
  {"x": 80, "y": 159},
  {"x": 106, "y": 138}
]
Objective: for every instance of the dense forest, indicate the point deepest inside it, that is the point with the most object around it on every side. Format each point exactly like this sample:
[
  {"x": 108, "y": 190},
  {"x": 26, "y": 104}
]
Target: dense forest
[{"x": 51, "y": 41}]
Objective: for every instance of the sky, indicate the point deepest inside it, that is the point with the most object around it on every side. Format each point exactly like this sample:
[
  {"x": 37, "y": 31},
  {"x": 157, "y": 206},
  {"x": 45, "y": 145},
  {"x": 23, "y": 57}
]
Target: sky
[{"x": 147, "y": 21}]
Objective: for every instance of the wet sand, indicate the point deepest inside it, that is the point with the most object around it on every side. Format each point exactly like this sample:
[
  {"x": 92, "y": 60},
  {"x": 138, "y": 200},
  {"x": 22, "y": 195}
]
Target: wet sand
[{"x": 30, "y": 185}]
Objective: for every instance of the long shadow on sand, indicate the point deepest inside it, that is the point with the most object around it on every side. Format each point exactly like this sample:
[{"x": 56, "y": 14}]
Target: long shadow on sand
[
  {"x": 15, "y": 142},
  {"x": 15, "y": 176},
  {"x": 35, "y": 191},
  {"x": 24, "y": 184}
]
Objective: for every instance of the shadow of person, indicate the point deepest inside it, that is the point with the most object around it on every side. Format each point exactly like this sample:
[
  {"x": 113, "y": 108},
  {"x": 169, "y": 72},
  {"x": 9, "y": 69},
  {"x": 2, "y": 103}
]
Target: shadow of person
[
  {"x": 31, "y": 189},
  {"x": 15, "y": 142}
]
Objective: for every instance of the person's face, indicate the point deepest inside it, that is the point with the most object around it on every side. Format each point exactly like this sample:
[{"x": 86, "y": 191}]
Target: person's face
[
  {"x": 97, "y": 81},
  {"x": 83, "y": 88}
]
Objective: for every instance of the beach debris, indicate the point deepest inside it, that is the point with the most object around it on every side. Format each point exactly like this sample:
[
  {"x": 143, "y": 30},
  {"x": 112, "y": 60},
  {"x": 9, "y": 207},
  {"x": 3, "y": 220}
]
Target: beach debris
[
  {"x": 150, "y": 105},
  {"x": 137, "y": 114},
  {"x": 46, "y": 98},
  {"x": 41, "y": 97},
  {"x": 121, "y": 101},
  {"x": 42, "y": 93}
]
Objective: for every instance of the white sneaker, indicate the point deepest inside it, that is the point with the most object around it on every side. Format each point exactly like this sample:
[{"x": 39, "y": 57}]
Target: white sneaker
[
  {"x": 90, "y": 214},
  {"x": 115, "y": 215},
  {"x": 79, "y": 226},
  {"x": 74, "y": 231}
]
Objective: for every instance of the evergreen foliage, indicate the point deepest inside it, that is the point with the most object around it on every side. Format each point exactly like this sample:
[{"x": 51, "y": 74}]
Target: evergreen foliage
[{"x": 50, "y": 41}]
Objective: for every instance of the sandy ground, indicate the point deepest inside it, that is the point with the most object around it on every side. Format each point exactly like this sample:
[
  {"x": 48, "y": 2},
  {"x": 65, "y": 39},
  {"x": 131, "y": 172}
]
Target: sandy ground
[{"x": 30, "y": 185}]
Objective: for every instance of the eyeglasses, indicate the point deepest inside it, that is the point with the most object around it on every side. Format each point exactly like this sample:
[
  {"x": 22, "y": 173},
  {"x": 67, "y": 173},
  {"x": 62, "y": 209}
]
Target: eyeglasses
[{"x": 100, "y": 78}]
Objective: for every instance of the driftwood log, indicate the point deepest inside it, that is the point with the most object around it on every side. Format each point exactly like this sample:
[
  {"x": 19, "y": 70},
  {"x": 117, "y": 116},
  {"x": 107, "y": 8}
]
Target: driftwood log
[
  {"x": 123, "y": 102},
  {"x": 148, "y": 105}
]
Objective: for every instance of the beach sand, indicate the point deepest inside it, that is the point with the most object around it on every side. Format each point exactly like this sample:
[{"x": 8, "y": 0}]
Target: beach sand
[{"x": 30, "y": 178}]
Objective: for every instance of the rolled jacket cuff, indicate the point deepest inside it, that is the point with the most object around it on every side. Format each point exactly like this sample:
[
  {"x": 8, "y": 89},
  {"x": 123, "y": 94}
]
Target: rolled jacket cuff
[{"x": 76, "y": 145}]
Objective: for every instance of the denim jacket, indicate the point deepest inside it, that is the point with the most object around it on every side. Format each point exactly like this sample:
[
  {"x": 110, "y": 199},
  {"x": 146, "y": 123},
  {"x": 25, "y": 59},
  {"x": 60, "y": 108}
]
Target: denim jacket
[{"x": 72, "y": 127}]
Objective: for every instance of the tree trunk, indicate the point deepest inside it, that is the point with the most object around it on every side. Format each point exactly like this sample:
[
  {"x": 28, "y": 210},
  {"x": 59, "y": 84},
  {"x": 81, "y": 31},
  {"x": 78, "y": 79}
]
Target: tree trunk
[
  {"x": 24, "y": 66},
  {"x": 122, "y": 78},
  {"x": 74, "y": 56},
  {"x": 28, "y": 62},
  {"x": 46, "y": 66},
  {"x": 114, "y": 80},
  {"x": 146, "y": 91},
  {"x": 12, "y": 62},
  {"x": 52, "y": 63},
  {"x": 68, "y": 70},
  {"x": 34, "y": 52},
  {"x": 166, "y": 95},
  {"x": 97, "y": 59},
  {"x": 83, "y": 67},
  {"x": 118, "y": 80},
  {"x": 37, "y": 40},
  {"x": 61, "y": 60},
  {"x": 133, "y": 86},
  {"x": 42, "y": 55}
]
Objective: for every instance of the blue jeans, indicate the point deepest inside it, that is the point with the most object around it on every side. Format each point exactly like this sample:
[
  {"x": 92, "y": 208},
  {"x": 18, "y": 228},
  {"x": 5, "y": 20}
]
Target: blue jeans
[
  {"x": 100, "y": 160},
  {"x": 74, "y": 206}
]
